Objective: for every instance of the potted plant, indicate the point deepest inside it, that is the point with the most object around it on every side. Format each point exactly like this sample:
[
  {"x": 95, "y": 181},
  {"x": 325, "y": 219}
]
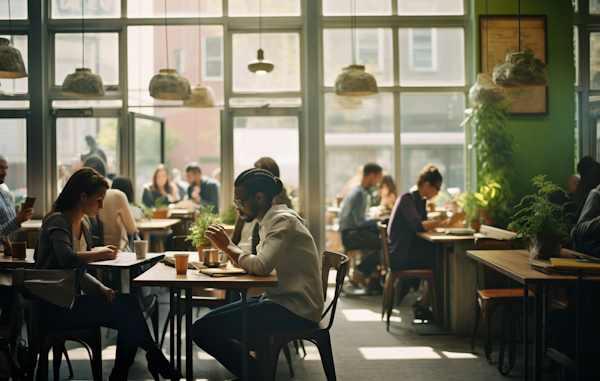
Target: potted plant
[
  {"x": 486, "y": 195},
  {"x": 542, "y": 221},
  {"x": 206, "y": 217},
  {"x": 468, "y": 202},
  {"x": 229, "y": 216},
  {"x": 161, "y": 208},
  {"x": 146, "y": 210}
]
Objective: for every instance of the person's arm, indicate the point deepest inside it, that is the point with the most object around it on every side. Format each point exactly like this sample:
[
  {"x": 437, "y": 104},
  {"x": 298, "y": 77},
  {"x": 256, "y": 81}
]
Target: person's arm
[
  {"x": 67, "y": 257},
  {"x": 357, "y": 214},
  {"x": 126, "y": 214},
  {"x": 273, "y": 247},
  {"x": 589, "y": 222},
  {"x": 14, "y": 224},
  {"x": 210, "y": 195},
  {"x": 90, "y": 285},
  {"x": 147, "y": 198}
]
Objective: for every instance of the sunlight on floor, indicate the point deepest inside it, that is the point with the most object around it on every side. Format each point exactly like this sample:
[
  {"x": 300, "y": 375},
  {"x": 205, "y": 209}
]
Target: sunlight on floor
[
  {"x": 366, "y": 315},
  {"x": 459, "y": 355},
  {"x": 399, "y": 353}
]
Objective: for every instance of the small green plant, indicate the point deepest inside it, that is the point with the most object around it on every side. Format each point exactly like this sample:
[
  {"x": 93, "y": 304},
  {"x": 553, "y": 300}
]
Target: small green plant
[
  {"x": 161, "y": 203},
  {"x": 228, "y": 217},
  {"x": 487, "y": 194},
  {"x": 469, "y": 204},
  {"x": 145, "y": 209},
  {"x": 538, "y": 215},
  {"x": 206, "y": 217}
]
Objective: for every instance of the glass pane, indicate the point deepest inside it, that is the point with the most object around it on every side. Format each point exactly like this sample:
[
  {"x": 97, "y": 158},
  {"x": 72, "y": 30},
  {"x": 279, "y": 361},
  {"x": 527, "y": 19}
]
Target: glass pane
[
  {"x": 432, "y": 57},
  {"x": 260, "y": 102},
  {"x": 373, "y": 49},
  {"x": 19, "y": 85},
  {"x": 430, "y": 7},
  {"x": 282, "y": 49},
  {"x": 356, "y": 132},
  {"x": 594, "y": 7},
  {"x": 101, "y": 55},
  {"x": 92, "y": 9},
  {"x": 268, "y": 133},
  {"x": 175, "y": 8},
  {"x": 74, "y": 146},
  {"x": 362, "y": 7},
  {"x": 595, "y": 60},
  {"x": 147, "y": 153},
  {"x": 146, "y": 56},
  {"x": 431, "y": 133},
  {"x": 13, "y": 146},
  {"x": 575, "y": 6},
  {"x": 18, "y": 9},
  {"x": 247, "y": 8},
  {"x": 576, "y": 53}
]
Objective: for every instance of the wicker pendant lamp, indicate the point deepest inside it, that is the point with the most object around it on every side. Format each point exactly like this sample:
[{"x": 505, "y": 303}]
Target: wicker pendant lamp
[
  {"x": 167, "y": 85},
  {"x": 202, "y": 96},
  {"x": 354, "y": 81},
  {"x": 83, "y": 83},
  {"x": 11, "y": 62},
  {"x": 521, "y": 69},
  {"x": 260, "y": 65}
]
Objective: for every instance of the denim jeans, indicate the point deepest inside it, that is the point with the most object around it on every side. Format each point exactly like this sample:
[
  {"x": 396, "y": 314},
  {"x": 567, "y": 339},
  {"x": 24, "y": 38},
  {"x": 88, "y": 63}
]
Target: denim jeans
[{"x": 216, "y": 331}]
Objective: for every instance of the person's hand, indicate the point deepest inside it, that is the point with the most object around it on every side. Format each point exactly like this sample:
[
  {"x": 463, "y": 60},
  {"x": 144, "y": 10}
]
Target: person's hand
[
  {"x": 196, "y": 193},
  {"x": 457, "y": 217},
  {"x": 106, "y": 252},
  {"x": 108, "y": 292},
  {"x": 218, "y": 236},
  {"x": 24, "y": 215}
]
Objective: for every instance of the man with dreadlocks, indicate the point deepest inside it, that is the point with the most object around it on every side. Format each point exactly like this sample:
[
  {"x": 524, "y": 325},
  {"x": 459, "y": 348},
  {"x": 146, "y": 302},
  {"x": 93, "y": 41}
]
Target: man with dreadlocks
[{"x": 287, "y": 246}]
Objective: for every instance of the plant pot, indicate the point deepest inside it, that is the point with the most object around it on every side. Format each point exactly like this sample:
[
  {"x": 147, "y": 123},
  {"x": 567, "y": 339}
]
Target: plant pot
[
  {"x": 489, "y": 222},
  {"x": 160, "y": 214},
  {"x": 485, "y": 214},
  {"x": 547, "y": 246},
  {"x": 200, "y": 248},
  {"x": 475, "y": 225}
]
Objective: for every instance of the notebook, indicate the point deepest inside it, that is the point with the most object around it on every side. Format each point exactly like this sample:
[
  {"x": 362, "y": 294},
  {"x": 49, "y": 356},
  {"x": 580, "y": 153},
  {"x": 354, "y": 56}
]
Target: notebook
[
  {"x": 229, "y": 271},
  {"x": 575, "y": 264}
]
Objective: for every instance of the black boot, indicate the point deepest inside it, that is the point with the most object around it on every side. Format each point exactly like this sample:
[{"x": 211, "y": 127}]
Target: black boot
[
  {"x": 119, "y": 373},
  {"x": 158, "y": 364}
]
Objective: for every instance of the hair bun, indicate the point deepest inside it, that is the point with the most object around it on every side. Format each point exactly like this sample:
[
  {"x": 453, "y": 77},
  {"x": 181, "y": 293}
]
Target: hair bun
[{"x": 279, "y": 184}]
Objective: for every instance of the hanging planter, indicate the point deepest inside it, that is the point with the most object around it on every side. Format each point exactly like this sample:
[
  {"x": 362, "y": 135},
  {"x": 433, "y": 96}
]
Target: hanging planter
[
  {"x": 355, "y": 82},
  {"x": 11, "y": 61},
  {"x": 521, "y": 69},
  {"x": 486, "y": 91}
]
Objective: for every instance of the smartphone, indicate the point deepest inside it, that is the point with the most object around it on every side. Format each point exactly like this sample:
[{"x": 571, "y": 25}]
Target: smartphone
[{"x": 29, "y": 201}]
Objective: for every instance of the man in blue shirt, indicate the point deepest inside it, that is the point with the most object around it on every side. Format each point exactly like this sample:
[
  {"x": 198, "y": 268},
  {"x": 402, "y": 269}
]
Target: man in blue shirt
[
  {"x": 10, "y": 221},
  {"x": 359, "y": 230},
  {"x": 202, "y": 189}
]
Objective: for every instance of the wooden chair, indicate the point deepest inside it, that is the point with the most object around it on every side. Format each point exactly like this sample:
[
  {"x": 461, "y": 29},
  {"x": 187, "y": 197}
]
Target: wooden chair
[
  {"x": 270, "y": 345},
  {"x": 393, "y": 279},
  {"x": 495, "y": 294}
]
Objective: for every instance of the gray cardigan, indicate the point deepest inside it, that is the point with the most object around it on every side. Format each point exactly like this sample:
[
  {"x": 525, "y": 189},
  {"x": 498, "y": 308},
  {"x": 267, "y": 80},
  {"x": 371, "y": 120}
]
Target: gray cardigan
[{"x": 54, "y": 248}]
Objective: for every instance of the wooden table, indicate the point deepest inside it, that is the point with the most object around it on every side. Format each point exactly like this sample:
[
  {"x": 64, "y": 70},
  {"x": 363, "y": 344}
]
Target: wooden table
[
  {"x": 162, "y": 275},
  {"x": 441, "y": 240},
  {"x": 31, "y": 225},
  {"x": 11, "y": 263},
  {"x": 127, "y": 261},
  {"x": 159, "y": 224},
  {"x": 514, "y": 264}
]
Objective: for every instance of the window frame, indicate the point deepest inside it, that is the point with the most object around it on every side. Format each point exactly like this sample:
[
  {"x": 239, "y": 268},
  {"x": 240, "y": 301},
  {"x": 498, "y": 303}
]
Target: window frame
[{"x": 205, "y": 60}]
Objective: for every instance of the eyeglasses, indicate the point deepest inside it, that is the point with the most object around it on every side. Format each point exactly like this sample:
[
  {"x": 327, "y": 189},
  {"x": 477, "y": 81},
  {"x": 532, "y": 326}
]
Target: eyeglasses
[
  {"x": 436, "y": 187},
  {"x": 239, "y": 202}
]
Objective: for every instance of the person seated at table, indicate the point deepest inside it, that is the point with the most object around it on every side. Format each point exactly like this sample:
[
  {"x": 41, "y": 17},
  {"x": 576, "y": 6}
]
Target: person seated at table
[
  {"x": 65, "y": 243},
  {"x": 586, "y": 233},
  {"x": 408, "y": 251},
  {"x": 124, "y": 184},
  {"x": 387, "y": 194},
  {"x": 10, "y": 221},
  {"x": 286, "y": 246},
  {"x": 161, "y": 187},
  {"x": 116, "y": 217},
  {"x": 203, "y": 189},
  {"x": 589, "y": 170},
  {"x": 359, "y": 230},
  {"x": 99, "y": 164}
]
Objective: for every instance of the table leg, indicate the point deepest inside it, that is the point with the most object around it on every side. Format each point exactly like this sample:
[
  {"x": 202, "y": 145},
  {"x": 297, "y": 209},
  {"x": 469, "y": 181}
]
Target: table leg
[
  {"x": 578, "y": 333},
  {"x": 178, "y": 309},
  {"x": 525, "y": 332},
  {"x": 172, "y": 326},
  {"x": 189, "y": 366},
  {"x": 446, "y": 308},
  {"x": 243, "y": 293},
  {"x": 538, "y": 330},
  {"x": 439, "y": 285}
]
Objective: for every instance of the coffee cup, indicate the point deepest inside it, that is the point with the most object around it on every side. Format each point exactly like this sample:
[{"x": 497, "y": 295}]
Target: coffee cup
[
  {"x": 210, "y": 257},
  {"x": 19, "y": 250},
  {"x": 141, "y": 249},
  {"x": 223, "y": 258},
  {"x": 181, "y": 263}
]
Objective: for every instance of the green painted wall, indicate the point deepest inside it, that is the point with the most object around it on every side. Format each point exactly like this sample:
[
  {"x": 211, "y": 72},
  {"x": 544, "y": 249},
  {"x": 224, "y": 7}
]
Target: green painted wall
[{"x": 546, "y": 143}]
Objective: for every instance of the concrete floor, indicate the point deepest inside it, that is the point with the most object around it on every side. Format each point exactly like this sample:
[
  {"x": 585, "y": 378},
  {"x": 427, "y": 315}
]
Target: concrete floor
[{"x": 362, "y": 349}]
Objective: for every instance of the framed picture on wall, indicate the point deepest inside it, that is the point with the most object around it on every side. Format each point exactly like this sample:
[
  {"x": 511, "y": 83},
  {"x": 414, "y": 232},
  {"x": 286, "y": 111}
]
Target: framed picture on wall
[{"x": 498, "y": 35}]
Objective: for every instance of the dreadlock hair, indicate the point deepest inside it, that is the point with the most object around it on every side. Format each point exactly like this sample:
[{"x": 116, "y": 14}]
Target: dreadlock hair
[
  {"x": 430, "y": 174},
  {"x": 86, "y": 180},
  {"x": 257, "y": 180}
]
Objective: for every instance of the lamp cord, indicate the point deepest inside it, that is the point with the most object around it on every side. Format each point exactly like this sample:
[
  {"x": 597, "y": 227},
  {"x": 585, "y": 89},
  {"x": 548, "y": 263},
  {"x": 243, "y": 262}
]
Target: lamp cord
[
  {"x": 519, "y": 18},
  {"x": 82, "y": 39},
  {"x": 166, "y": 36},
  {"x": 487, "y": 39},
  {"x": 10, "y": 24},
  {"x": 260, "y": 24},
  {"x": 353, "y": 30},
  {"x": 199, "y": 42}
]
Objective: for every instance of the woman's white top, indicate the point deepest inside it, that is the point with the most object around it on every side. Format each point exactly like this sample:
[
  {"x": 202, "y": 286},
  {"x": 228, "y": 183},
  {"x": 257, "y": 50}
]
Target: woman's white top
[{"x": 117, "y": 220}]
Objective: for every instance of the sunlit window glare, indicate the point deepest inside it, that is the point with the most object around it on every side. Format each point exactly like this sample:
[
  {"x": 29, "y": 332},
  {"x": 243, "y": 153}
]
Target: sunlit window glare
[{"x": 399, "y": 353}]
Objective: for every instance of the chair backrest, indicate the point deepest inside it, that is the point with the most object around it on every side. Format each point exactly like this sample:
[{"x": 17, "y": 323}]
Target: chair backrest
[
  {"x": 97, "y": 232},
  {"x": 492, "y": 278},
  {"x": 53, "y": 286},
  {"x": 340, "y": 263},
  {"x": 384, "y": 258},
  {"x": 180, "y": 243}
]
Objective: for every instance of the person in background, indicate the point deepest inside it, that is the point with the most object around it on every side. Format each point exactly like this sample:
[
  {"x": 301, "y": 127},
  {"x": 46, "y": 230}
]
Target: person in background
[
  {"x": 124, "y": 184},
  {"x": 387, "y": 193},
  {"x": 359, "y": 230},
  {"x": 586, "y": 233},
  {"x": 94, "y": 150},
  {"x": 10, "y": 220},
  {"x": 408, "y": 251},
  {"x": 589, "y": 170},
  {"x": 96, "y": 162},
  {"x": 161, "y": 187},
  {"x": 63, "y": 177},
  {"x": 65, "y": 242},
  {"x": 286, "y": 246},
  {"x": 271, "y": 166},
  {"x": 116, "y": 217},
  {"x": 202, "y": 189},
  {"x": 181, "y": 185}
]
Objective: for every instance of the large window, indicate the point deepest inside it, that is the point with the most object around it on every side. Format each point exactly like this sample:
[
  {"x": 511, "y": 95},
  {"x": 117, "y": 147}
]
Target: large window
[
  {"x": 13, "y": 146},
  {"x": 20, "y": 85}
]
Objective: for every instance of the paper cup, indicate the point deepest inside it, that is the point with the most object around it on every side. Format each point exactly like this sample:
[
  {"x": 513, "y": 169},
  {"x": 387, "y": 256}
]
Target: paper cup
[
  {"x": 181, "y": 263},
  {"x": 19, "y": 250},
  {"x": 141, "y": 249}
]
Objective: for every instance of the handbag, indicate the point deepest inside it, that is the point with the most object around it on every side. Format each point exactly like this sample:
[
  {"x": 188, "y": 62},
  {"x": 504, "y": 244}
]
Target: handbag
[{"x": 57, "y": 287}]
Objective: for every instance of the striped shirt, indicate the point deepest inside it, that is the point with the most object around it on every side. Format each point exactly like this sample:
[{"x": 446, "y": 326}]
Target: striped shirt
[{"x": 9, "y": 226}]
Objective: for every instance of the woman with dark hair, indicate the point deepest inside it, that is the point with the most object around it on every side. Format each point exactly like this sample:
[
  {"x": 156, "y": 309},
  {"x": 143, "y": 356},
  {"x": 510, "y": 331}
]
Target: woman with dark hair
[
  {"x": 407, "y": 250},
  {"x": 118, "y": 222},
  {"x": 161, "y": 187},
  {"x": 124, "y": 184},
  {"x": 387, "y": 193},
  {"x": 65, "y": 243}
]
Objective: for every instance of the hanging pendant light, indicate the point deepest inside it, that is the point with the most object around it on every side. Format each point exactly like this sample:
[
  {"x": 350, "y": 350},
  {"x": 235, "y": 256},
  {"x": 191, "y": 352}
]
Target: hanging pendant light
[
  {"x": 83, "y": 83},
  {"x": 167, "y": 85},
  {"x": 521, "y": 69},
  {"x": 485, "y": 90},
  {"x": 202, "y": 96},
  {"x": 11, "y": 62},
  {"x": 354, "y": 81},
  {"x": 260, "y": 65}
]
